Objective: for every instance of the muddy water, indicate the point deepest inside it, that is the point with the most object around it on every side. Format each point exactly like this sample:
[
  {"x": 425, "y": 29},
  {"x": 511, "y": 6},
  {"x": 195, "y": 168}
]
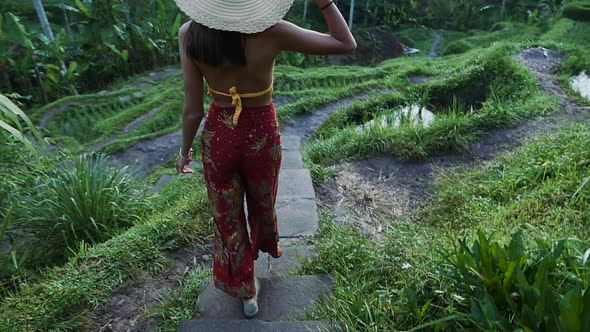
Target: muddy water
[
  {"x": 414, "y": 114},
  {"x": 581, "y": 84}
]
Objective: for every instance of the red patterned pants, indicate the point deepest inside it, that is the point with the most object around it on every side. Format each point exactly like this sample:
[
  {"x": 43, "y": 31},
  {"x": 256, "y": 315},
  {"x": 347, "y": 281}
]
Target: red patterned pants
[{"x": 241, "y": 161}]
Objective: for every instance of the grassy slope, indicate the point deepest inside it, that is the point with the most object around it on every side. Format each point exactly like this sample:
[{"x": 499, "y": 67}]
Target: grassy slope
[
  {"x": 574, "y": 38},
  {"x": 541, "y": 190},
  {"x": 364, "y": 300},
  {"x": 59, "y": 298},
  {"x": 501, "y": 91},
  {"x": 97, "y": 117}
]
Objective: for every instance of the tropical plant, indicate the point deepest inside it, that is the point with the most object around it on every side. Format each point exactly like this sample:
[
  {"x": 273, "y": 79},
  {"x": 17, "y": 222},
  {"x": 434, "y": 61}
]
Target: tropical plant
[
  {"x": 107, "y": 39},
  {"x": 10, "y": 120},
  {"x": 577, "y": 10},
  {"x": 87, "y": 202},
  {"x": 11, "y": 262},
  {"x": 540, "y": 290}
]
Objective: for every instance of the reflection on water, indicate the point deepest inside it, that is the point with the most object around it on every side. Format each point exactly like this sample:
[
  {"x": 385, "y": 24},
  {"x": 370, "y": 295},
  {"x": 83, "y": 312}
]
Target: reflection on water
[
  {"x": 581, "y": 84},
  {"x": 413, "y": 114}
]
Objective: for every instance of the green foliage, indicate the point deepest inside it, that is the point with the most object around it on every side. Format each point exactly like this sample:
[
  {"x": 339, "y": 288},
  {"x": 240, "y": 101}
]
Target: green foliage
[
  {"x": 88, "y": 202},
  {"x": 11, "y": 261},
  {"x": 485, "y": 90},
  {"x": 362, "y": 271},
  {"x": 85, "y": 123},
  {"x": 577, "y": 10},
  {"x": 419, "y": 278},
  {"x": 542, "y": 290},
  {"x": 182, "y": 304},
  {"x": 500, "y": 32},
  {"x": 574, "y": 39},
  {"x": 10, "y": 122},
  {"x": 98, "y": 39},
  {"x": 535, "y": 186},
  {"x": 61, "y": 295}
]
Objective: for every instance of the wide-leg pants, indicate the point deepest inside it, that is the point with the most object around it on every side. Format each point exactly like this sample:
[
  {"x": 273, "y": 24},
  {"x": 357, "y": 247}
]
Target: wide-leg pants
[{"x": 241, "y": 161}]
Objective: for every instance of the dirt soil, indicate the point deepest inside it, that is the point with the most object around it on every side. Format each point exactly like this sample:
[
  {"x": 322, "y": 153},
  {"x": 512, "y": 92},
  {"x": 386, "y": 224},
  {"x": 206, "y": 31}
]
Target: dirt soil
[
  {"x": 394, "y": 189},
  {"x": 374, "y": 45},
  {"x": 305, "y": 125},
  {"x": 129, "y": 307}
]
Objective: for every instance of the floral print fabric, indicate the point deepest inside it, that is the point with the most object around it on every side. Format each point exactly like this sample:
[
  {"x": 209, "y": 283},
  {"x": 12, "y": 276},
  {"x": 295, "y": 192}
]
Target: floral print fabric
[{"x": 240, "y": 161}]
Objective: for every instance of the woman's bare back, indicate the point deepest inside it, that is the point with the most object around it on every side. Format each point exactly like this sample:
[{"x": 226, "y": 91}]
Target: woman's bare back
[
  {"x": 261, "y": 50},
  {"x": 255, "y": 76}
]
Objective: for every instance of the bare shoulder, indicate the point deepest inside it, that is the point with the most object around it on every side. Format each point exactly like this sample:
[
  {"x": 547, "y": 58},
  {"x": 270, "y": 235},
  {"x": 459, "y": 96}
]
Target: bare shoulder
[
  {"x": 184, "y": 29},
  {"x": 281, "y": 28}
]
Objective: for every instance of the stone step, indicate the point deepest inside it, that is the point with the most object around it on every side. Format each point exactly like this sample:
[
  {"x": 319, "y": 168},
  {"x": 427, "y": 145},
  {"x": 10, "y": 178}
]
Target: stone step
[
  {"x": 253, "y": 325},
  {"x": 290, "y": 142},
  {"x": 297, "y": 216},
  {"x": 280, "y": 298},
  {"x": 291, "y": 159},
  {"x": 296, "y": 183},
  {"x": 267, "y": 267}
]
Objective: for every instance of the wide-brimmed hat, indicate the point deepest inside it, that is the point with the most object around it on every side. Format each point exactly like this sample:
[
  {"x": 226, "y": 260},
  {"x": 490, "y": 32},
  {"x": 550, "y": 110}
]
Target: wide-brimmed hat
[{"x": 246, "y": 16}]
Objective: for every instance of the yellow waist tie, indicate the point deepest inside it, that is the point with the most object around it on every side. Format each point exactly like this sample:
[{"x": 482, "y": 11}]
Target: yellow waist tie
[{"x": 237, "y": 98}]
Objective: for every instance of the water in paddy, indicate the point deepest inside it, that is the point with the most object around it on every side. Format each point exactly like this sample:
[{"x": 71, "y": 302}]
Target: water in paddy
[
  {"x": 414, "y": 114},
  {"x": 581, "y": 84}
]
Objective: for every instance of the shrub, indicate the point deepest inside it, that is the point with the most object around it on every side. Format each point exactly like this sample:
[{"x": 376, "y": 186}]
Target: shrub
[
  {"x": 539, "y": 290},
  {"x": 10, "y": 260},
  {"x": 10, "y": 122},
  {"x": 577, "y": 10},
  {"x": 87, "y": 203},
  {"x": 457, "y": 47}
]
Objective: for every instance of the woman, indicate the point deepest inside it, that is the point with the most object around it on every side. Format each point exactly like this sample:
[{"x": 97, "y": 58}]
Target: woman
[{"x": 233, "y": 45}]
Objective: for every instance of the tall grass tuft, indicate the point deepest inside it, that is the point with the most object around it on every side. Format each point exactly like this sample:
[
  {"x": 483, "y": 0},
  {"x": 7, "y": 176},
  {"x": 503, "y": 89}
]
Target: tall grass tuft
[{"x": 87, "y": 203}]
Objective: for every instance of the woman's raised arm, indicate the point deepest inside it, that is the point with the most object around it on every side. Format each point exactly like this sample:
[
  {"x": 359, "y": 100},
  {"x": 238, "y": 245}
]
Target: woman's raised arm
[{"x": 291, "y": 37}]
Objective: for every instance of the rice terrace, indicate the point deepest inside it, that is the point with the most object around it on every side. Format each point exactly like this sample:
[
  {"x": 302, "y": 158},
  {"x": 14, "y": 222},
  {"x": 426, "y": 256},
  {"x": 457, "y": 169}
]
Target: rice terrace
[{"x": 436, "y": 178}]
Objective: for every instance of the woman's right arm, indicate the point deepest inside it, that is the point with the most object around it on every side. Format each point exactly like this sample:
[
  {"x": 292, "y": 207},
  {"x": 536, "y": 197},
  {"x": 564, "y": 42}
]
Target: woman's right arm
[
  {"x": 291, "y": 37},
  {"x": 192, "y": 111}
]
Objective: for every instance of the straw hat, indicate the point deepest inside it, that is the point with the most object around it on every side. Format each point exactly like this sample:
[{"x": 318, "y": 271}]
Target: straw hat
[{"x": 246, "y": 16}]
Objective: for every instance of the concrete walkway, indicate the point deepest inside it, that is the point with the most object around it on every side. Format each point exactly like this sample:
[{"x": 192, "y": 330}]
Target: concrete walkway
[{"x": 283, "y": 298}]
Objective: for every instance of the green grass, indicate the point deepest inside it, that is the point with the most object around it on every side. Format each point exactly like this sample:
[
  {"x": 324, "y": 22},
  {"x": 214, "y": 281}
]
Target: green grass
[
  {"x": 540, "y": 190},
  {"x": 573, "y": 39},
  {"x": 501, "y": 32},
  {"x": 501, "y": 92},
  {"x": 62, "y": 295},
  {"x": 84, "y": 203},
  {"x": 103, "y": 116},
  {"x": 544, "y": 185},
  {"x": 182, "y": 304}
]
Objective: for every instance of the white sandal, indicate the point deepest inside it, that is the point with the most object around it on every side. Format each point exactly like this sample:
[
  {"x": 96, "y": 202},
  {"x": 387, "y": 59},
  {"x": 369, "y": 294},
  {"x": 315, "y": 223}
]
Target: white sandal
[{"x": 251, "y": 305}]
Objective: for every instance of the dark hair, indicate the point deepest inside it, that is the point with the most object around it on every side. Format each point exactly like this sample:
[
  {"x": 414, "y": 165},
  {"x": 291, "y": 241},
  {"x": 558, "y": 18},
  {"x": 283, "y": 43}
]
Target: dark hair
[{"x": 215, "y": 47}]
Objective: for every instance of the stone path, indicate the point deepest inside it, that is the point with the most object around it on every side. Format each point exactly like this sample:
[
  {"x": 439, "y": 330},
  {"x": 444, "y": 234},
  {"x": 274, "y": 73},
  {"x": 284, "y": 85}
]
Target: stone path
[
  {"x": 283, "y": 298},
  {"x": 433, "y": 49}
]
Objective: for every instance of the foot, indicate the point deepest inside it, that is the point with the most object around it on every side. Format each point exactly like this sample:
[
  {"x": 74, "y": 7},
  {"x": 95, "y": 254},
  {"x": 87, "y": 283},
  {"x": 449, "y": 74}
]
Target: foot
[{"x": 251, "y": 305}]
